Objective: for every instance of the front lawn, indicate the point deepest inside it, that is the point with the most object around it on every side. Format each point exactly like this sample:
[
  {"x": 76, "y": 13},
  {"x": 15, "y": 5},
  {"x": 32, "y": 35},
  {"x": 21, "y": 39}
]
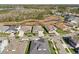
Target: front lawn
[
  {"x": 72, "y": 50},
  {"x": 29, "y": 34},
  {"x": 61, "y": 32},
  {"x": 4, "y": 34},
  {"x": 27, "y": 51},
  {"x": 52, "y": 49}
]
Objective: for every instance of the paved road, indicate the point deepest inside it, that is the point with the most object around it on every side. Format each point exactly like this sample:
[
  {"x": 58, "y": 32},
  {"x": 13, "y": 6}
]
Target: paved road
[
  {"x": 59, "y": 44},
  {"x": 39, "y": 47},
  {"x": 65, "y": 45}
]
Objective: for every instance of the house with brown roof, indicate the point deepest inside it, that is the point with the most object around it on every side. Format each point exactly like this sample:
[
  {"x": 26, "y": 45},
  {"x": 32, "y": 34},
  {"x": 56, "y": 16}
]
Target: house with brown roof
[{"x": 51, "y": 28}]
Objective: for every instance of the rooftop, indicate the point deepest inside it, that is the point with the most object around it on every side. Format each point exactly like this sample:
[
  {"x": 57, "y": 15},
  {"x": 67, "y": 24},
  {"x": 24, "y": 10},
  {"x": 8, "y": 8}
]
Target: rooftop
[
  {"x": 39, "y": 46},
  {"x": 26, "y": 28},
  {"x": 15, "y": 47},
  {"x": 37, "y": 28}
]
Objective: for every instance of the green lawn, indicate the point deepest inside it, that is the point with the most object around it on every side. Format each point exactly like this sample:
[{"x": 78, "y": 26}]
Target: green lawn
[
  {"x": 4, "y": 34},
  {"x": 61, "y": 32},
  {"x": 27, "y": 51},
  {"x": 17, "y": 37},
  {"x": 66, "y": 50},
  {"x": 29, "y": 34},
  {"x": 76, "y": 37},
  {"x": 72, "y": 50},
  {"x": 56, "y": 46},
  {"x": 52, "y": 49}
]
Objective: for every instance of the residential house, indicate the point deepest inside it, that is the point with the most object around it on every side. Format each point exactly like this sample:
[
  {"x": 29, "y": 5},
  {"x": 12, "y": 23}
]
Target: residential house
[
  {"x": 3, "y": 43},
  {"x": 73, "y": 41},
  {"x": 74, "y": 21},
  {"x": 37, "y": 28},
  {"x": 51, "y": 28},
  {"x": 26, "y": 28},
  {"x": 4, "y": 28},
  {"x": 12, "y": 29}
]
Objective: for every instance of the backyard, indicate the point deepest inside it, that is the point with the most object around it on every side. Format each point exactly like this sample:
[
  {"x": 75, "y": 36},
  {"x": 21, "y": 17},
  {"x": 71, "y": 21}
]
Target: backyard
[{"x": 61, "y": 32}]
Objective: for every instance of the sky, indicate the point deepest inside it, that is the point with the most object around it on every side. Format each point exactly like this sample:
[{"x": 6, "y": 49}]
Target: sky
[{"x": 39, "y": 1}]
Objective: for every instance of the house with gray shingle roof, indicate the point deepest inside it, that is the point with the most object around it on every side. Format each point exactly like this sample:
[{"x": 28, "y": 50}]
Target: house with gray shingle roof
[
  {"x": 74, "y": 21},
  {"x": 4, "y": 28}
]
